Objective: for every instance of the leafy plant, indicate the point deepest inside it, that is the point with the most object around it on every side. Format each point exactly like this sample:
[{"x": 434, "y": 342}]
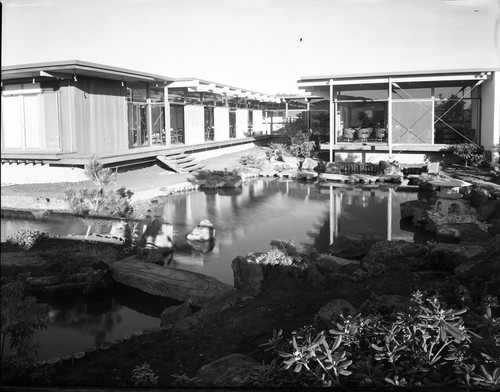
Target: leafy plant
[
  {"x": 21, "y": 317},
  {"x": 98, "y": 200},
  {"x": 26, "y": 238},
  {"x": 144, "y": 376},
  {"x": 471, "y": 154},
  {"x": 429, "y": 345}
]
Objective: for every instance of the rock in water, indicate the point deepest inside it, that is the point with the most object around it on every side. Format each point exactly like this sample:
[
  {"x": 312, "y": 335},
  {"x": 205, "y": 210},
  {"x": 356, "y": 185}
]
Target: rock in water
[{"x": 203, "y": 232}]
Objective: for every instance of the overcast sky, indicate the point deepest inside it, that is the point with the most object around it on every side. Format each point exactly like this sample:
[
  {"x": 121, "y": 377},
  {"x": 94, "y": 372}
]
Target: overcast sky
[{"x": 262, "y": 45}]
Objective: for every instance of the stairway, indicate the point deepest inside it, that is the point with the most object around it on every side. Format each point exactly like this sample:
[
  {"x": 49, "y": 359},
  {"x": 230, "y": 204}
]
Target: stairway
[{"x": 180, "y": 163}]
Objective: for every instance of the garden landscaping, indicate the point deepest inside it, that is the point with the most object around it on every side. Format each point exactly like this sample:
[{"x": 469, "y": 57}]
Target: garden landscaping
[{"x": 393, "y": 314}]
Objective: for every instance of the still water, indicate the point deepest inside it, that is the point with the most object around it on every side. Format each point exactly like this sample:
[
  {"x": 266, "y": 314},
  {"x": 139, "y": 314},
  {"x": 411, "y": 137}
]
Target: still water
[{"x": 245, "y": 221}]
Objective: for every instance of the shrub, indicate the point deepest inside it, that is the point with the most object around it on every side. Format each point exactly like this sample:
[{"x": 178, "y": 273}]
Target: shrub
[
  {"x": 144, "y": 376},
  {"x": 214, "y": 179},
  {"x": 429, "y": 345},
  {"x": 21, "y": 317},
  {"x": 26, "y": 238},
  {"x": 470, "y": 154},
  {"x": 98, "y": 201}
]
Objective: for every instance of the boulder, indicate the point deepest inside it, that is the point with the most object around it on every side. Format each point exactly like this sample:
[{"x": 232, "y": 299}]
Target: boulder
[
  {"x": 485, "y": 265},
  {"x": 334, "y": 309},
  {"x": 248, "y": 273},
  {"x": 479, "y": 196},
  {"x": 202, "y": 246},
  {"x": 119, "y": 229},
  {"x": 203, "y": 232},
  {"x": 96, "y": 282},
  {"x": 395, "y": 303},
  {"x": 229, "y": 371},
  {"x": 349, "y": 249},
  {"x": 385, "y": 251},
  {"x": 173, "y": 314},
  {"x": 460, "y": 232},
  {"x": 159, "y": 234},
  {"x": 489, "y": 212},
  {"x": 309, "y": 164},
  {"x": 412, "y": 208}
]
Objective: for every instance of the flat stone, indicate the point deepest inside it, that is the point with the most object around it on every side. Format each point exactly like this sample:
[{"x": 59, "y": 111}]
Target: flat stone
[
  {"x": 333, "y": 177},
  {"x": 167, "y": 281}
]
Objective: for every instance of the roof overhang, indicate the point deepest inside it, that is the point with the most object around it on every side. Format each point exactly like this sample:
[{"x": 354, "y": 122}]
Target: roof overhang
[
  {"x": 71, "y": 68},
  {"x": 200, "y": 85},
  {"x": 309, "y": 82}
]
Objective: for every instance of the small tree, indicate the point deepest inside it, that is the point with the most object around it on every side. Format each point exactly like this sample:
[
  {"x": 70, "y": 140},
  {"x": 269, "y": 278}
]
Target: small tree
[
  {"x": 21, "y": 317},
  {"x": 470, "y": 154},
  {"x": 98, "y": 200}
]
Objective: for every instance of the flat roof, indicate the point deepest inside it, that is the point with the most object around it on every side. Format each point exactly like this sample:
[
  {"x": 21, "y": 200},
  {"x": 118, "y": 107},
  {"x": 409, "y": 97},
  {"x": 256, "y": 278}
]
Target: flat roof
[
  {"x": 435, "y": 73},
  {"x": 69, "y": 68}
]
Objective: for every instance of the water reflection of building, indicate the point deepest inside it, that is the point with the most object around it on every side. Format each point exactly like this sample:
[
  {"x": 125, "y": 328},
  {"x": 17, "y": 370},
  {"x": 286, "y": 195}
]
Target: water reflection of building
[{"x": 357, "y": 212}]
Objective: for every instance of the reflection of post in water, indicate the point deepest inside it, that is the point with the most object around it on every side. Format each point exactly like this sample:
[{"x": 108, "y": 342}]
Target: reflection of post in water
[
  {"x": 389, "y": 215},
  {"x": 335, "y": 204}
]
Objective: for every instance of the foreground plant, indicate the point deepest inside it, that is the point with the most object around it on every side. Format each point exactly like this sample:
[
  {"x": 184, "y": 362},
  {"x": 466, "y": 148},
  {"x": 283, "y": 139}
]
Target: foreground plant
[
  {"x": 144, "y": 376},
  {"x": 21, "y": 317},
  {"x": 26, "y": 238},
  {"x": 429, "y": 345}
]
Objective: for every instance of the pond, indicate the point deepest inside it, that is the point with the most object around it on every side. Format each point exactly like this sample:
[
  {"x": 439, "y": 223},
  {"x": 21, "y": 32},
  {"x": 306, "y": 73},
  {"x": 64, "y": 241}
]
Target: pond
[{"x": 245, "y": 220}]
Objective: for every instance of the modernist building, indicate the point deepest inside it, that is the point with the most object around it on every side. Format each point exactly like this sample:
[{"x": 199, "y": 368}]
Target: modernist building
[
  {"x": 408, "y": 116},
  {"x": 61, "y": 113}
]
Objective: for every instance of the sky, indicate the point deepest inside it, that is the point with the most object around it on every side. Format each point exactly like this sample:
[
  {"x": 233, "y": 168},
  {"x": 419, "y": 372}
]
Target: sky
[{"x": 261, "y": 45}]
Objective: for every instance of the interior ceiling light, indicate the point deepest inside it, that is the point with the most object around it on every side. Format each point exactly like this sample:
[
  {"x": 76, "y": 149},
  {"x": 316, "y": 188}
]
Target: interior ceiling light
[{"x": 74, "y": 78}]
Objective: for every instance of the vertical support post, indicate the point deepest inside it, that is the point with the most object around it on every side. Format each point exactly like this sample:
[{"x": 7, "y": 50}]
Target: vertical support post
[
  {"x": 433, "y": 92},
  {"x": 332, "y": 119},
  {"x": 332, "y": 215},
  {"x": 389, "y": 118},
  {"x": 150, "y": 122},
  {"x": 167, "y": 117},
  {"x": 286, "y": 110}
]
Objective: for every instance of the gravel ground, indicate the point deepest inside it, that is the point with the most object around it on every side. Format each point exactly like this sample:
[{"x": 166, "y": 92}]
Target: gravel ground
[{"x": 138, "y": 180}]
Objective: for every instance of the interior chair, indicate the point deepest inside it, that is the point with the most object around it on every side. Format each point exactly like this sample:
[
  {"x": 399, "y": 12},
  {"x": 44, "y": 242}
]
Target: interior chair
[
  {"x": 348, "y": 134},
  {"x": 364, "y": 133}
]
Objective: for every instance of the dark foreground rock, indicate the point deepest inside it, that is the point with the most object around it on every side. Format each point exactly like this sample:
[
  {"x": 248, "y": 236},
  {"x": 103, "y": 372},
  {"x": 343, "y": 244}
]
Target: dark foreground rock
[
  {"x": 229, "y": 371},
  {"x": 349, "y": 249}
]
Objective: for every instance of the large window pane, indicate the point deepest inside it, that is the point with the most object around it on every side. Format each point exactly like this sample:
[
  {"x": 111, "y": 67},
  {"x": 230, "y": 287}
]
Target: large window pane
[
  {"x": 412, "y": 122},
  {"x": 176, "y": 124},
  {"x": 456, "y": 120},
  {"x": 159, "y": 136},
  {"x": 138, "y": 125}
]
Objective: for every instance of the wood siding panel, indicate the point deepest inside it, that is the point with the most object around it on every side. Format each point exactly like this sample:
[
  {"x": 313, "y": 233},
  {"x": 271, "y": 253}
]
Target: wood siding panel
[{"x": 107, "y": 116}]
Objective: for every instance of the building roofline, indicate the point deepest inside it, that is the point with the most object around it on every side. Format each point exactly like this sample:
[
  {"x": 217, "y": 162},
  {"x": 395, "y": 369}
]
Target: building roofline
[
  {"x": 79, "y": 67},
  {"x": 399, "y": 74}
]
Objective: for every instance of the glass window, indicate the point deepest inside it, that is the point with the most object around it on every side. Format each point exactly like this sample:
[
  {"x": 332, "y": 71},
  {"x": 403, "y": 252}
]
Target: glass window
[
  {"x": 209, "y": 123},
  {"x": 350, "y": 93},
  {"x": 176, "y": 124},
  {"x": 411, "y": 91},
  {"x": 137, "y": 92}
]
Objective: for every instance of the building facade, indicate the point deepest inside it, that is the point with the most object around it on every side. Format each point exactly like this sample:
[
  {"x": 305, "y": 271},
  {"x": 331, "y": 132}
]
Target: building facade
[
  {"x": 407, "y": 117},
  {"x": 62, "y": 113}
]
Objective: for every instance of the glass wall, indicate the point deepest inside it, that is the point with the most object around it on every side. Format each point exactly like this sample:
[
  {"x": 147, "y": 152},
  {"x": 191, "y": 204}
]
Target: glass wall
[
  {"x": 232, "y": 123},
  {"x": 439, "y": 112},
  {"x": 209, "y": 123},
  {"x": 176, "y": 123},
  {"x": 138, "y": 133}
]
